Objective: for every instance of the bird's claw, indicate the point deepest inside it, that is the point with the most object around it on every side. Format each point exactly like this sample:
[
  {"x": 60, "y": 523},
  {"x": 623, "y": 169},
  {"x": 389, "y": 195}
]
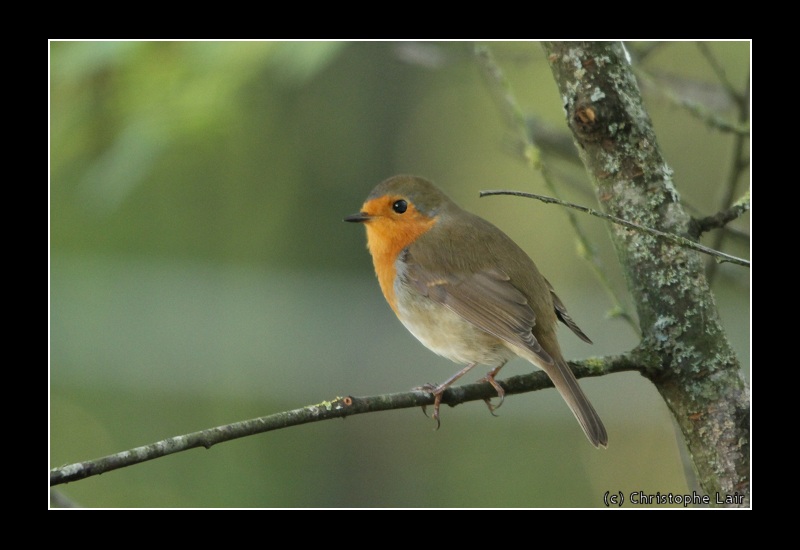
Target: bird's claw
[
  {"x": 437, "y": 392},
  {"x": 501, "y": 393},
  {"x": 492, "y": 407}
]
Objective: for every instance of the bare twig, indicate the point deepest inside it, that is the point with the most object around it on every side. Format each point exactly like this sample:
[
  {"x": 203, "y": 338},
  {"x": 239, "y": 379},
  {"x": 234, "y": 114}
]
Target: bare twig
[
  {"x": 720, "y": 219},
  {"x": 738, "y": 164},
  {"x": 339, "y": 407},
  {"x": 683, "y": 241},
  {"x": 694, "y": 108},
  {"x": 737, "y": 96}
]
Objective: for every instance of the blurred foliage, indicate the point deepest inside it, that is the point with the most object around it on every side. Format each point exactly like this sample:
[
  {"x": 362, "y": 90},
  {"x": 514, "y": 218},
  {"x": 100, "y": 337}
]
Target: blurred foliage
[{"x": 200, "y": 272}]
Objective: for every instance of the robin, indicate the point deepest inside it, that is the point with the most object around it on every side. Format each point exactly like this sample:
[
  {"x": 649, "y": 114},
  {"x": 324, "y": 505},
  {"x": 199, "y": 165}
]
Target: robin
[{"x": 467, "y": 291}]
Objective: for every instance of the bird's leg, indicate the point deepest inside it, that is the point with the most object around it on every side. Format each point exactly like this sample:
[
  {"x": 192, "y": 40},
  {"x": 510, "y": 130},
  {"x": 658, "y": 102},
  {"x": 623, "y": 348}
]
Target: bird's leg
[
  {"x": 501, "y": 393},
  {"x": 437, "y": 391}
]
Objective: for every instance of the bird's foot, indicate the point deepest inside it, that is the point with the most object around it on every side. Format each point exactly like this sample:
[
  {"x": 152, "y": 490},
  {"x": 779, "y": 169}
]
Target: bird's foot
[
  {"x": 501, "y": 393},
  {"x": 437, "y": 392}
]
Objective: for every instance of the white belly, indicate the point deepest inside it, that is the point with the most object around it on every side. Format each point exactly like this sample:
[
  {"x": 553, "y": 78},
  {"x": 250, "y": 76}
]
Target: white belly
[{"x": 449, "y": 335}]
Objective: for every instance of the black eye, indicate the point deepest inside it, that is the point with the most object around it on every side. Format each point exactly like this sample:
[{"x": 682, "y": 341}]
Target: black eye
[{"x": 400, "y": 206}]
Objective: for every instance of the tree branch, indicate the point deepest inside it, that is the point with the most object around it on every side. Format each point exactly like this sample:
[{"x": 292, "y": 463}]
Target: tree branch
[
  {"x": 740, "y": 98},
  {"x": 552, "y": 141},
  {"x": 720, "y": 219},
  {"x": 695, "y": 108},
  {"x": 338, "y": 407},
  {"x": 738, "y": 165},
  {"x": 683, "y": 241}
]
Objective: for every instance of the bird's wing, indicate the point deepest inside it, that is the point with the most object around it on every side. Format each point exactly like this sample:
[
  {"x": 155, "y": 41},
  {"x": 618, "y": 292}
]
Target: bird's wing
[
  {"x": 486, "y": 299},
  {"x": 563, "y": 316}
]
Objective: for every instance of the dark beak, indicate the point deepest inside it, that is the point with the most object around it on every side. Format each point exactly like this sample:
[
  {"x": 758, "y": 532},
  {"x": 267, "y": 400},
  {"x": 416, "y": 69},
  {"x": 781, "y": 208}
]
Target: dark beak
[{"x": 358, "y": 218}]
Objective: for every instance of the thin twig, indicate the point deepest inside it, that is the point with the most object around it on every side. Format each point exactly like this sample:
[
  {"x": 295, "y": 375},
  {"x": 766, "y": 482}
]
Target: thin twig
[
  {"x": 694, "y": 108},
  {"x": 720, "y": 219},
  {"x": 719, "y": 70},
  {"x": 504, "y": 97},
  {"x": 683, "y": 241},
  {"x": 558, "y": 143},
  {"x": 695, "y": 231},
  {"x": 338, "y": 407},
  {"x": 738, "y": 165},
  {"x": 552, "y": 140}
]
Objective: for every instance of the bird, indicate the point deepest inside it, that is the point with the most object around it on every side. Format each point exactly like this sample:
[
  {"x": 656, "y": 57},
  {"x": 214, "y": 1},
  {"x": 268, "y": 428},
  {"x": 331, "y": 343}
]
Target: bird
[{"x": 467, "y": 291}]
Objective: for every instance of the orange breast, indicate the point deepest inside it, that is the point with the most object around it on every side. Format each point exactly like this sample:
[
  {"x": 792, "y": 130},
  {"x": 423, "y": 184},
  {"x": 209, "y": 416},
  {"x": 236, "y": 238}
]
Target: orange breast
[{"x": 386, "y": 238}]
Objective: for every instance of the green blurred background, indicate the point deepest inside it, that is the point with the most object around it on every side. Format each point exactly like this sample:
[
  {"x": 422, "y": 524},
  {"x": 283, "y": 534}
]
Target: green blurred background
[{"x": 200, "y": 271}]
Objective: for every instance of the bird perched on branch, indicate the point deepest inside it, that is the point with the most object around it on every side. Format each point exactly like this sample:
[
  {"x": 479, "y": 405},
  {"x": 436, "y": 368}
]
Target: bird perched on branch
[{"x": 467, "y": 291}]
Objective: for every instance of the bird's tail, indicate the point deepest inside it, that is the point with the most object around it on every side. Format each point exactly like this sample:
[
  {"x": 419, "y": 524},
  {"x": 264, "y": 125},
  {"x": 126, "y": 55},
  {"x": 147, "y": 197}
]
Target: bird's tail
[{"x": 567, "y": 385}]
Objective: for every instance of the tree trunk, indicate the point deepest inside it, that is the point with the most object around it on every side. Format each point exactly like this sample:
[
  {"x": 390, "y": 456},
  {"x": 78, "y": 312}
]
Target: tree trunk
[{"x": 684, "y": 350}]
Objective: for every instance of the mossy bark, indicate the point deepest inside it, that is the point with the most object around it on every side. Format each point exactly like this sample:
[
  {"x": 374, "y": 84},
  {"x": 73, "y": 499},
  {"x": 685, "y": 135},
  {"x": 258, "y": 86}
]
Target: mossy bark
[{"x": 684, "y": 350}]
